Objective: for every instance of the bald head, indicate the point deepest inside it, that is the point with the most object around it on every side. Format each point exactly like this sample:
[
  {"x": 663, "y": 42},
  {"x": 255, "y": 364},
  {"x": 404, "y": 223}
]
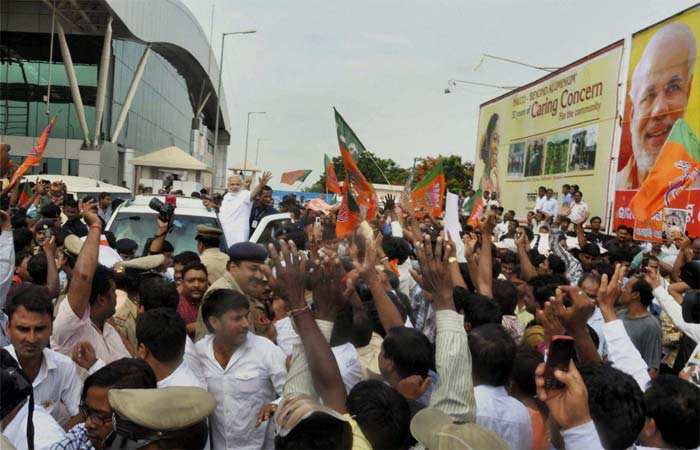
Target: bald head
[{"x": 659, "y": 91}]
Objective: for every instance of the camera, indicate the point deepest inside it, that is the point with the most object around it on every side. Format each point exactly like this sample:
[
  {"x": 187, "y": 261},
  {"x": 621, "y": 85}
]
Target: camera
[{"x": 165, "y": 210}]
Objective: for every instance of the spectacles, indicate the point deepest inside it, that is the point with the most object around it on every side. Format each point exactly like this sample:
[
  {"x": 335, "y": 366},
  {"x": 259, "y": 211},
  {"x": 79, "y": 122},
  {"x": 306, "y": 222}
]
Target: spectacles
[{"x": 97, "y": 418}]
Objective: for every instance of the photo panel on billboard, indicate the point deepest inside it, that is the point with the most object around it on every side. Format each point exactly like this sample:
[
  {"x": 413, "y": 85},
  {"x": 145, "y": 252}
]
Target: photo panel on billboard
[
  {"x": 537, "y": 124},
  {"x": 662, "y": 87}
]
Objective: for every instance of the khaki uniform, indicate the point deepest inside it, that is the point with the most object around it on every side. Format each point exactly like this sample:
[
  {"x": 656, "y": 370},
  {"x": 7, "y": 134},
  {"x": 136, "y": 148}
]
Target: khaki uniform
[
  {"x": 125, "y": 321},
  {"x": 257, "y": 318},
  {"x": 215, "y": 262}
]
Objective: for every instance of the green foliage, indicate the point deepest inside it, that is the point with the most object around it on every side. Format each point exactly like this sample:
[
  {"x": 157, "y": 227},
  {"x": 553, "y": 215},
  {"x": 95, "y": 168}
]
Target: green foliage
[{"x": 459, "y": 175}]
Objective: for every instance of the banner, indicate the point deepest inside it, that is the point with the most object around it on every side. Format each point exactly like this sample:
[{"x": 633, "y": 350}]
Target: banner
[
  {"x": 662, "y": 87},
  {"x": 558, "y": 129},
  {"x": 429, "y": 194}
]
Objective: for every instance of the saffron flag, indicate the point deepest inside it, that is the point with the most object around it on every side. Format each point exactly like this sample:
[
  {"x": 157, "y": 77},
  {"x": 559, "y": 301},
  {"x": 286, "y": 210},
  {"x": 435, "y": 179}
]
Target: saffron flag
[
  {"x": 429, "y": 194},
  {"x": 349, "y": 212},
  {"x": 294, "y": 176},
  {"x": 332, "y": 184},
  {"x": 35, "y": 154},
  {"x": 677, "y": 165},
  {"x": 475, "y": 206},
  {"x": 355, "y": 181}
]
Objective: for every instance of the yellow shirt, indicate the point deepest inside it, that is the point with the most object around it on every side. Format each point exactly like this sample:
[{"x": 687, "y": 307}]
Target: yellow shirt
[{"x": 359, "y": 441}]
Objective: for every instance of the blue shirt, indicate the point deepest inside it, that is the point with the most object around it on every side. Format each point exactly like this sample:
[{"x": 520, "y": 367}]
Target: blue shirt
[{"x": 76, "y": 439}]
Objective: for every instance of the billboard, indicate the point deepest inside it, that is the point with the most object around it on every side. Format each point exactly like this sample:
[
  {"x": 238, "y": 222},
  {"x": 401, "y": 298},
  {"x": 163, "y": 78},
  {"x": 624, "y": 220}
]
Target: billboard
[
  {"x": 557, "y": 130},
  {"x": 662, "y": 86}
]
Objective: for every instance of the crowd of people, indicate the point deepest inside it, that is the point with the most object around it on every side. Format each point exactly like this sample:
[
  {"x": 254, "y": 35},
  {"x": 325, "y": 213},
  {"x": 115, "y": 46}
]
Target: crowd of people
[{"x": 396, "y": 336}]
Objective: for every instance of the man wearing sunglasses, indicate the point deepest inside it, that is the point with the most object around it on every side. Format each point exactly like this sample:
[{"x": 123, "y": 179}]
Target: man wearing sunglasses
[{"x": 97, "y": 431}]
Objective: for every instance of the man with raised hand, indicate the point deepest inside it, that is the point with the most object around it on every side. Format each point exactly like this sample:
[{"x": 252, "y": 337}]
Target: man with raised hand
[
  {"x": 234, "y": 213},
  {"x": 90, "y": 302}
]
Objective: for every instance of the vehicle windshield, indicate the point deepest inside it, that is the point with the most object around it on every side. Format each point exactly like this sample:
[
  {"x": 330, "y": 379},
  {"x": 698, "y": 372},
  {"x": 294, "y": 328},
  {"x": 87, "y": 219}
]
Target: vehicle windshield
[{"x": 142, "y": 226}]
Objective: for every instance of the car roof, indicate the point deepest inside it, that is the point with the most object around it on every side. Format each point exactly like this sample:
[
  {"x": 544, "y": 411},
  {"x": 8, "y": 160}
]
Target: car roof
[
  {"x": 185, "y": 206},
  {"x": 82, "y": 184}
]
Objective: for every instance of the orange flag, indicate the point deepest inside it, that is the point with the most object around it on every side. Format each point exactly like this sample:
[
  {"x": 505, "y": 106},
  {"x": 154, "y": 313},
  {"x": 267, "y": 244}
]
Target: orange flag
[
  {"x": 677, "y": 165},
  {"x": 430, "y": 193},
  {"x": 35, "y": 154}
]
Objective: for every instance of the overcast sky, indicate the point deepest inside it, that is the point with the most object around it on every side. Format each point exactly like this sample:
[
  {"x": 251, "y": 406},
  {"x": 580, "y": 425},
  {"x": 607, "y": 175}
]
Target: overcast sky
[{"x": 384, "y": 64}]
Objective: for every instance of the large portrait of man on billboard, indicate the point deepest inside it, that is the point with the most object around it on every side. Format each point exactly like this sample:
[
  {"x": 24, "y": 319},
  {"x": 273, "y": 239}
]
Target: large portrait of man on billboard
[{"x": 658, "y": 95}]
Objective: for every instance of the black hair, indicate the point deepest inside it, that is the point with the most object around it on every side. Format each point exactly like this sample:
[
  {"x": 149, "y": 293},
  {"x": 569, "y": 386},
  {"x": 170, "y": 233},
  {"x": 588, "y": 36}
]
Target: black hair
[
  {"x": 195, "y": 266},
  {"x": 221, "y": 301},
  {"x": 50, "y": 211},
  {"x": 604, "y": 268},
  {"x": 674, "y": 404},
  {"x": 21, "y": 256},
  {"x": 645, "y": 291},
  {"x": 186, "y": 258},
  {"x": 101, "y": 283},
  {"x": 103, "y": 195},
  {"x": 505, "y": 295},
  {"x": 266, "y": 188},
  {"x": 410, "y": 350},
  {"x": 37, "y": 268},
  {"x": 69, "y": 202},
  {"x": 566, "y": 186},
  {"x": 163, "y": 332},
  {"x": 591, "y": 249},
  {"x": 382, "y": 414},
  {"x": 493, "y": 353},
  {"x": 544, "y": 286},
  {"x": 351, "y": 325},
  {"x": 493, "y": 121},
  {"x": 595, "y": 218},
  {"x": 523, "y": 375},
  {"x": 509, "y": 257},
  {"x": 396, "y": 248},
  {"x": 619, "y": 256},
  {"x": 125, "y": 373},
  {"x": 616, "y": 404},
  {"x": 478, "y": 309},
  {"x": 156, "y": 292},
  {"x": 167, "y": 247},
  {"x": 318, "y": 431},
  {"x": 32, "y": 297},
  {"x": 557, "y": 264},
  {"x": 21, "y": 238},
  {"x": 209, "y": 241}
]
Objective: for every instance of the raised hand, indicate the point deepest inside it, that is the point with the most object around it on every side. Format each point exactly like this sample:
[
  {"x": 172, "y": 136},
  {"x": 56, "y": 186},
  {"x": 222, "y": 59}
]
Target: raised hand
[
  {"x": 288, "y": 281},
  {"x": 49, "y": 247},
  {"x": 521, "y": 238},
  {"x": 609, "y": 292},
  {"x": 551, "y": 325},
  {"x": 330, "y": 292},
  {"x": 470, "y": 240},
  {"x": 487, "y": 223},
  {"x": 266, "y": 177},
  {"x": 574, "y": 317},
  {"x": 90, "y": 213},
  {"x": 367, "y": 268},
  {"x": 567, "y": 406},
  {"x": 435, "y": 271},
  {"x": 652, "y": 277},
  {"x": 389, "y": 202}
]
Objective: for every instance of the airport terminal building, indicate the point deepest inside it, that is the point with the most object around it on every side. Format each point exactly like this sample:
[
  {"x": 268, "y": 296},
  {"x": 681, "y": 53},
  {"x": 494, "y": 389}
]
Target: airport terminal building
[{"x": 123, "y": 77}]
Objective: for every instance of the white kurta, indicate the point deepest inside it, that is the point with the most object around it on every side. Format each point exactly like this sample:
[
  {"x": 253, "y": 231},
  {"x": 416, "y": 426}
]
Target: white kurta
[{"x": 234, "y": 216}]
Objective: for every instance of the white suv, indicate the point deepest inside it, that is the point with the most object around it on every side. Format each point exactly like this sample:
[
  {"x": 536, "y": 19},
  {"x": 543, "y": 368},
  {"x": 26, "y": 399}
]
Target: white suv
[{"x": 134, "y": 219}]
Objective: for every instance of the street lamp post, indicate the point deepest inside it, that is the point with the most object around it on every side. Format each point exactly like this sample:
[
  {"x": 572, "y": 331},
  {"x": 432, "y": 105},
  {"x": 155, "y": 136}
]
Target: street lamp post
[
  {"x": 257, "y": 149},
  {"x": 218, "y": 89},
  {"x": 452, "y": 83},
  {"x": 247, "y": 129}
]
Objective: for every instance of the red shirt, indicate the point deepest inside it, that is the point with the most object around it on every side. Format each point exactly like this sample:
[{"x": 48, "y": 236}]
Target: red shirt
[{"x": 187, "y": 310}]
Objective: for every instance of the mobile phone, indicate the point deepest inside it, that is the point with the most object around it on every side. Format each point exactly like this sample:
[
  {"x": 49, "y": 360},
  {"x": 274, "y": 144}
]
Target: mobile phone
[
  {"x": 47, "y": 233},
  {"x": 318, "y": 220},
  {"x": 558, "y": 357}
]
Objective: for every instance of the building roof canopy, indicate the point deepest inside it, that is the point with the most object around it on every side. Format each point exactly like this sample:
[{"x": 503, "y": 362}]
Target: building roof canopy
[{"x": 170, "y": 158}]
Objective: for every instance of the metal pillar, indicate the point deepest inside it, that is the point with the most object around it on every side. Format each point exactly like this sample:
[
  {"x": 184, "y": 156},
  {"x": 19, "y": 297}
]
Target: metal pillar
[
  {"x": 73, "y": 81},
  {"x": 102, "y": 84},
  {"x": 131, "y": 93}
]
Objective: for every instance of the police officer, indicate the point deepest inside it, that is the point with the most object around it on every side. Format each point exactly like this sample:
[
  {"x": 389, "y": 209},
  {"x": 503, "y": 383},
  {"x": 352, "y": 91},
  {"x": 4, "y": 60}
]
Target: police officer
[
  {"x": 208, "y": 241},
  {"x": 173, "y": 417}
]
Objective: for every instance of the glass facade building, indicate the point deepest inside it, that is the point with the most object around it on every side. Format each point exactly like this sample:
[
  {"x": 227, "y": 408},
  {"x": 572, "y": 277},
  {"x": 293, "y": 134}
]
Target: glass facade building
[{"x": 162, "y": 113}]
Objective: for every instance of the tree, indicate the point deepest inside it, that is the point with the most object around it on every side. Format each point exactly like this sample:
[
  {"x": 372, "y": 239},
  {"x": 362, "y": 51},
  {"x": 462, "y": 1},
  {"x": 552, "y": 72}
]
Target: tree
[
  {"x": 459, "y": 175},
  {"x": 367, "y": 162}
]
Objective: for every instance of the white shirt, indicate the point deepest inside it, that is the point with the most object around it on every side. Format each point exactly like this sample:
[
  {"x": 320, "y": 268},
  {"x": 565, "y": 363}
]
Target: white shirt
[
  {"x": 46, "y": 430},
  {"x": 57, "y": 382},
  {"x": 498, "y": 411},
  {"x": 254, "y": 376},
  {"x": 182, "y": 376},
  {"x": 578, "y": 211},
  {"x": 596, "y": 322},
  {"x": 69, "y": 329},
  {"x": 234, "y": 216},
  {"x": 551, "y": 207},
  {"x": 345, "y": 355},
  {"x": 499, "y": 230},
  {"x": 539, "y": 203},
  {"x": 624, "y": 355}
]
